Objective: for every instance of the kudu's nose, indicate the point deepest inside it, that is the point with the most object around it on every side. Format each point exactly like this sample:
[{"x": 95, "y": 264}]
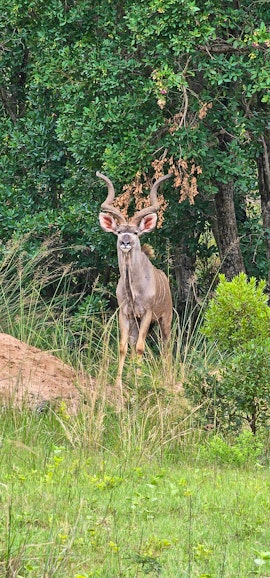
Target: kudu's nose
[{"x": 125, "y": 242}]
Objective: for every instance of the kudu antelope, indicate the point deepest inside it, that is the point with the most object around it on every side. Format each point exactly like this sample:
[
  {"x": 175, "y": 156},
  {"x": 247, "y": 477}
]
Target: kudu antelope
[{"x": 143, "y": 292}]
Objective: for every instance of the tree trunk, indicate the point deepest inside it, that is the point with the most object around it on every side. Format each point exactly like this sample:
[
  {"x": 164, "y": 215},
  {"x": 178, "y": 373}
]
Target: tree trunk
[
  {"x": 13, "y": 100},
  {"x": 263, "y": 164},
  {"x": 226, "y": 232},
  {"x": 184, "y": 268}
]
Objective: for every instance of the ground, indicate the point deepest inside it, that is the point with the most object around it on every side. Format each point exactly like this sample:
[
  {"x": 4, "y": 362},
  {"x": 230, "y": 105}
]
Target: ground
[{"x": 31, "y": 376}]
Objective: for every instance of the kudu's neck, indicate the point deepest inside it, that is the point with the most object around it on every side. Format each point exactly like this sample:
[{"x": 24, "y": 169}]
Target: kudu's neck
[{"x": 132, "y": 261}]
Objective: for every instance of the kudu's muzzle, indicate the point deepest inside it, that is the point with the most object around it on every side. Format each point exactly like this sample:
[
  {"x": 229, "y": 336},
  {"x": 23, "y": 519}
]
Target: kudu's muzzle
[{"x": 125, "y": 243}]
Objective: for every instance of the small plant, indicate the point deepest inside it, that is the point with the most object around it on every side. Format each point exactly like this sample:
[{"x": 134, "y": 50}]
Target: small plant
[
  {"x": 149, "y": 559},
  {"x": 262, "y": 559},
  {"x": 148, "y": 564}
]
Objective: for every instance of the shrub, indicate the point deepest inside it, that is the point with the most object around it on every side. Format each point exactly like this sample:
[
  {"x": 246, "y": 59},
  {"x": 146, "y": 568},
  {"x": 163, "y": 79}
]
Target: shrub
[
  {"x": 246, "y": 450},
  {"x": 237, "y": 390},
  {"x": 237, "y": 313},
  {"x": 246, "y": 382}
]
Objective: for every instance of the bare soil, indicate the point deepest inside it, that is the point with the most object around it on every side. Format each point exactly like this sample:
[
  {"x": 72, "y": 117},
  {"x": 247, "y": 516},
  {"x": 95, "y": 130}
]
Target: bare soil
[{"x": 30, "y": 376}]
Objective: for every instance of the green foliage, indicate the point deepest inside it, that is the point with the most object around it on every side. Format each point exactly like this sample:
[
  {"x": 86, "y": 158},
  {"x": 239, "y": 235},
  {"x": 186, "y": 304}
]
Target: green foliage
[
  {"x": 236, "y": 390},
  {"x": 94, "y": 304},
  {"x": 245, "y": 451},
  {"x": 255, "y": 258},
  {"x": 245, "y": 382},
  {"x": 237, "y": 313}
]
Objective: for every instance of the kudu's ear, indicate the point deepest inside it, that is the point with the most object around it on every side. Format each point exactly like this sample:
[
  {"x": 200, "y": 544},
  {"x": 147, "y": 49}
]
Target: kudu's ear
[
  {"x": 107, "y": 223},
  {"x": 148, "y": 223}
]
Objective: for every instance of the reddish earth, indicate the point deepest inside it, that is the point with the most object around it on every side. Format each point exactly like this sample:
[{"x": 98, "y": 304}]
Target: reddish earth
[{"x": 31, "y": 376}]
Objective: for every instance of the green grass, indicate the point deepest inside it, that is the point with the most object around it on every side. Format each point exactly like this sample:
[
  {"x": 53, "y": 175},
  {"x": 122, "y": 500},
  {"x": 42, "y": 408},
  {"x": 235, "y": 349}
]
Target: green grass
[{"x": 73, "y": 510}]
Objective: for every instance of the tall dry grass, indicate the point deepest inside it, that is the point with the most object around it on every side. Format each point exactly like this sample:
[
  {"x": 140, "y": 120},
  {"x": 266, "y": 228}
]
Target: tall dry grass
[{"x": 156, "y": 416}]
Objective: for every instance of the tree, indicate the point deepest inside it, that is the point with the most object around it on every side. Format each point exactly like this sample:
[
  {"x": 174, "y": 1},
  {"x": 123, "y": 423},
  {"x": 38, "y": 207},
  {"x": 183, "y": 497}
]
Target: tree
[{"x": 118, "y": 86}]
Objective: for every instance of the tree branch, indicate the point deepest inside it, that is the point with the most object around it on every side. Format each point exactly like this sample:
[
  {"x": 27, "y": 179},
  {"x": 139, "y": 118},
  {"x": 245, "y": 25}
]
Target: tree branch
[{"x": 220, "y": 46}]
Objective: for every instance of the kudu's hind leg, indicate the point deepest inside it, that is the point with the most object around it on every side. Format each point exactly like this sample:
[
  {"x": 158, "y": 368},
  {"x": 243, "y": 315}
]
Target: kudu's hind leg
[
  {"x": 166, "y": 352},
  {"x": 133, "y": 333},
  {"x": 165, "y": 326},
  {"x": 133, "y": 338}
]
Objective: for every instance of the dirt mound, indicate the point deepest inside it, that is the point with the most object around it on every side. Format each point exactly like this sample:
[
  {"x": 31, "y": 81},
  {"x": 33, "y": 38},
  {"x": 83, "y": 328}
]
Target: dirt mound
[{"x": 31, "y": 376}]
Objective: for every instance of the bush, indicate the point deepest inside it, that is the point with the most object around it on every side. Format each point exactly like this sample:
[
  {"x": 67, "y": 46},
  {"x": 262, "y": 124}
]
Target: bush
[
  {"x": 237, "y": 313},
  {"x": 246, "y": 382},
  {"x": 237, "y": 390},
  {"x": 246, "y": 450}
]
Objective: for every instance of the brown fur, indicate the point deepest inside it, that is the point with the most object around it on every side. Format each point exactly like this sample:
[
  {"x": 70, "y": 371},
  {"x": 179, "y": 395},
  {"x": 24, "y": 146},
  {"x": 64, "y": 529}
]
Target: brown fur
[{"x": 148, "y": 251}]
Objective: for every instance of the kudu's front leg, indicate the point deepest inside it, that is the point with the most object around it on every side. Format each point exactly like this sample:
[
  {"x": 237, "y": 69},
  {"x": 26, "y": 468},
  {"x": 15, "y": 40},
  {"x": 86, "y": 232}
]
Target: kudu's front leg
[
  {"x": 123, "y": 345},
  {"x": 144, "y": 326}
]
